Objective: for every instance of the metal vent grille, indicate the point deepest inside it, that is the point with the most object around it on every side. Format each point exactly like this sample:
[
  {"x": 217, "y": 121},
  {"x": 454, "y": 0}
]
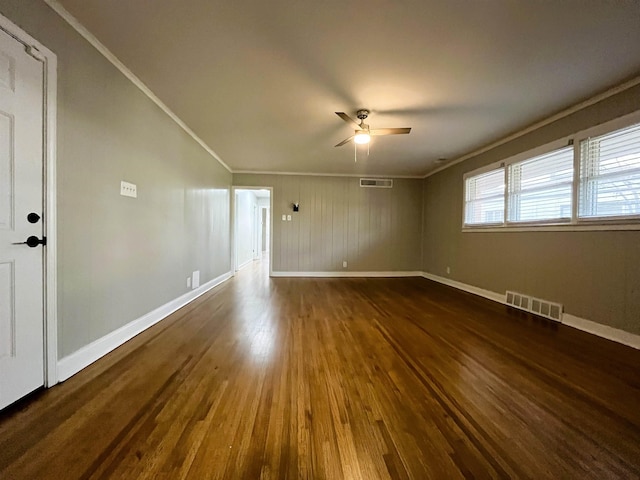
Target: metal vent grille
[
  {"x": 376, "y": 182},
  {"x": 544, "y": 308}
]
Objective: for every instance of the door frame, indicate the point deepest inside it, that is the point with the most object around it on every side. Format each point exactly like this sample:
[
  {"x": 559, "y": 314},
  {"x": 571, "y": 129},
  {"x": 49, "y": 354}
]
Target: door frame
[
  {"x": 50, "y": 66},
  {"x": 234, "y": 264}
]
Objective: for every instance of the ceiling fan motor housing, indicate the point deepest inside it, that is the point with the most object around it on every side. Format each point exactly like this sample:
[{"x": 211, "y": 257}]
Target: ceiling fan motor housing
[{"x": 362, "y": 114}]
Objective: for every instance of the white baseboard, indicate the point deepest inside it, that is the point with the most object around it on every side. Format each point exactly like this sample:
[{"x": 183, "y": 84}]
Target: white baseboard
[
  {"x": 346, "y": 274},
  {"x": 72, "y": 364},
  {"x": 496, "y": 297},
  {"x": 604, "y": 331},
  {"x": 248, "y": 262}
]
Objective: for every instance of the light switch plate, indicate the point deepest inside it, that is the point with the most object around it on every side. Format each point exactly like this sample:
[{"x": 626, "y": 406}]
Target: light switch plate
[
  {"x": 284, "y": 218},
  {"x": 288, "y": 218},
  {"x": 128, "y": 189}
]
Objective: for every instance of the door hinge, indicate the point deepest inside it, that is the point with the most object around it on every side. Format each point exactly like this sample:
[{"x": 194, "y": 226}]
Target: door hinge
[{"x": 35, "y": 53}]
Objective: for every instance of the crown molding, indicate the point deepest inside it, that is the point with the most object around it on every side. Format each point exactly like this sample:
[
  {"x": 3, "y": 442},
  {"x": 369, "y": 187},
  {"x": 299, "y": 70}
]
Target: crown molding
[
  {"x": 106, "y": 53},
  {"x": 542, "y": 123}
]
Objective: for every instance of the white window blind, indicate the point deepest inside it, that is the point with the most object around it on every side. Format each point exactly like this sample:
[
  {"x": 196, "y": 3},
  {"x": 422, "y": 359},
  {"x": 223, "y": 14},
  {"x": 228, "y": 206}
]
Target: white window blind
[
  {"x": 484, "y": 198},
  {"x": 610, "y": 174},
  {"x": 540, "y": 187}
]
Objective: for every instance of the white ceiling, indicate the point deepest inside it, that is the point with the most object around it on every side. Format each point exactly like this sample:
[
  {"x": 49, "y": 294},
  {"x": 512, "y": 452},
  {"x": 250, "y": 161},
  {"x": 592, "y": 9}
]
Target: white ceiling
[{"x": 259, "y": 81}]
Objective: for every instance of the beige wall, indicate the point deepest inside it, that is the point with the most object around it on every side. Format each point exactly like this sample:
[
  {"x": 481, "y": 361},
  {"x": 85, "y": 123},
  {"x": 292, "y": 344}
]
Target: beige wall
[
  {"x": 595, "y": 274},
  {"x": 373, "y": 229},
  {"x": 119, "y": 258}
]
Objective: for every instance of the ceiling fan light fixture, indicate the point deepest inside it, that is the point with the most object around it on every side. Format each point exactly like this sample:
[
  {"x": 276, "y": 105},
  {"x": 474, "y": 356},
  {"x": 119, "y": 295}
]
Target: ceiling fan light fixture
[{"x": 362, "y": 138}]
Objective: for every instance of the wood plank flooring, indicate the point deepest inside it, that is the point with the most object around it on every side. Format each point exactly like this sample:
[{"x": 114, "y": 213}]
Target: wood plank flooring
[{"x": 338, "y": 379}]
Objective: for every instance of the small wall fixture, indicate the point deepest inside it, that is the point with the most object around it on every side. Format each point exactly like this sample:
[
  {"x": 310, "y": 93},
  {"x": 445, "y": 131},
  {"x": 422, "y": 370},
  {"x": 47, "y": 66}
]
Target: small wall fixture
[{"x": 296, "y": 207}]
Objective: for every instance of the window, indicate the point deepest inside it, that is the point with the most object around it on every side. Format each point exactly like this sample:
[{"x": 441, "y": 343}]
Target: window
[
  {"x": 540, "y": 187},
  {"x": 610, "y": 174},
  {"x": 484, "y": 198},
  {"x": 595, "y": 180}
]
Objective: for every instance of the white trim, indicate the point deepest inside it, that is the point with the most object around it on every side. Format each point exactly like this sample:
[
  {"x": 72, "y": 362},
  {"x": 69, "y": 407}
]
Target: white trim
[
  {"x": 540, "y": 150},
  {"x": 485, "y": 169},
  {"x": 535, "y": 126},
  {"x": 496, "y": 297},
  {"x": 51, "y": 225},
  {"x": 50, "y": 62},
  {"x": 89, "y": 37},
  {"x": 346, "y": 274},
  {"x": 240, "y": 267},
  {"x": 567, "y": 227},
  {"x": 589, "y": 326},
  {"x": 302, "y": 174},
  {"x": 608, "y": 127},
  {"x": 604, "y": 331},
  {"x": 72, "y": 364}
]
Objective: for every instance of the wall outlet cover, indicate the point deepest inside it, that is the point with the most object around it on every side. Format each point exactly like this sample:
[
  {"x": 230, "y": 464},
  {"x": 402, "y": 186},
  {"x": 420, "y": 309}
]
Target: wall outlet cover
[
  {"x": 195, "y": 279},
  {"x": 128, "y": 189}
]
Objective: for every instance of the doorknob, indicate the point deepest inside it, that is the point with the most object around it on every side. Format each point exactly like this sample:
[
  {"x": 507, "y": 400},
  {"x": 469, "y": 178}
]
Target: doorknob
[{"x": 33, "y": 241}]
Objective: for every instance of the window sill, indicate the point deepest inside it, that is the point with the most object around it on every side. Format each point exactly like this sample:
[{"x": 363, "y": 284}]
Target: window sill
[{"x": 558, "y": 227}]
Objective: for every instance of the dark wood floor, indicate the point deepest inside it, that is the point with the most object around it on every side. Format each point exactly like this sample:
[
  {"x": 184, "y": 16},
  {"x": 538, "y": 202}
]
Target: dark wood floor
[{"x": 338, "y": 378}]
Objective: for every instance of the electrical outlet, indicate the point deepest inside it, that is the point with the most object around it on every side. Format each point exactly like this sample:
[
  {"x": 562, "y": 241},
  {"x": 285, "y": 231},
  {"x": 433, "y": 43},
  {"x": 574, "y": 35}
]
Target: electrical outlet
[
  {"x": 188, "y": 282},
  {"x": 128, "y": 189},
  {"x": 195, "y": 279},
  {"x": 448, "y": 270},
  {"x": 344, "y": 264}
]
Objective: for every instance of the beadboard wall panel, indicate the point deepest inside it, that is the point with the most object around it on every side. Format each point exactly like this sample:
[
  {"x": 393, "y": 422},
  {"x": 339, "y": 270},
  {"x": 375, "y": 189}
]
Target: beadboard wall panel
[{"x": 372, "y": 229}]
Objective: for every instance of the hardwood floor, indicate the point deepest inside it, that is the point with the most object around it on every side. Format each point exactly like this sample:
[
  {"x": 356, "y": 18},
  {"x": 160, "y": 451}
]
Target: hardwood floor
[{"x": 338, "y": 378}]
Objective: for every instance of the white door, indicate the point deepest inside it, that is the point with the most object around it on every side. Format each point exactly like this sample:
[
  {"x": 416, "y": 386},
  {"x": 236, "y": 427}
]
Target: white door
[{"x": 21, "y": 194}]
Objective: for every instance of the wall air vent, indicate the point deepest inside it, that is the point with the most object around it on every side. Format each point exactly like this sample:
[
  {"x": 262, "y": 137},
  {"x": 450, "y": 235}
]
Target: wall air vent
[
  {"x": 544, "y": 308},
  {"x": 376, "y": 182}
]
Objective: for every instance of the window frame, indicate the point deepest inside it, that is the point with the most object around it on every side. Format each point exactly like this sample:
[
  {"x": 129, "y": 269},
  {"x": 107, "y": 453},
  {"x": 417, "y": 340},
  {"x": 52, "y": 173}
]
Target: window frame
[
  {"x": 626, "y": 222},
  {"x": 476, "y": 173},
  {"x": 530, "y": 155},
  {"x": 598, "y": 131}
]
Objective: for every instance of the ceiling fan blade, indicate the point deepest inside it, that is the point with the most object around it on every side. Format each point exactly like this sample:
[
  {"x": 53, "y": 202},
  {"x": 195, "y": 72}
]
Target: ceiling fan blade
[
  {"x": 346, "y": 140},
  {"x": 390, "y": 131},
  {"x": 348, "y": 119}
]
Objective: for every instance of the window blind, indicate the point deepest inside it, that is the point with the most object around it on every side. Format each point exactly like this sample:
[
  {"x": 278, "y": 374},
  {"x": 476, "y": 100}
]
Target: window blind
[
  {"x": 539, "y": 188},
  {"x": 610, "y": 174},
  {"x": 484, "y": 198}
]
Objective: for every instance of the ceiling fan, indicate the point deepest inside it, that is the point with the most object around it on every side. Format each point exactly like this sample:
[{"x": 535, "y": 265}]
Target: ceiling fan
[{"x": 363, "y": 133}]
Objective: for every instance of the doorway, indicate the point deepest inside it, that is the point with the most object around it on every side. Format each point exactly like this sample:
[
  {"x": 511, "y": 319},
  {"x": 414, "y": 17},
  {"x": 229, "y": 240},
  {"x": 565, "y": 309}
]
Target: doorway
[{"x": 251, "y": 211}]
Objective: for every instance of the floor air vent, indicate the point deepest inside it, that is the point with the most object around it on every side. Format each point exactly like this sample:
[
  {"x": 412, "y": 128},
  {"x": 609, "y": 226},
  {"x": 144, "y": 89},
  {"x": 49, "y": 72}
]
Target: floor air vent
[
  {"x": 376, "y": 182},
  {"x": 543, "y": 308}
]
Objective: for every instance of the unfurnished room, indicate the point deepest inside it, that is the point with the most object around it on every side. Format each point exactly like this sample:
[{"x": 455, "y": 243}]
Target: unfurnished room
[{"x": 319, "y": 240}]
